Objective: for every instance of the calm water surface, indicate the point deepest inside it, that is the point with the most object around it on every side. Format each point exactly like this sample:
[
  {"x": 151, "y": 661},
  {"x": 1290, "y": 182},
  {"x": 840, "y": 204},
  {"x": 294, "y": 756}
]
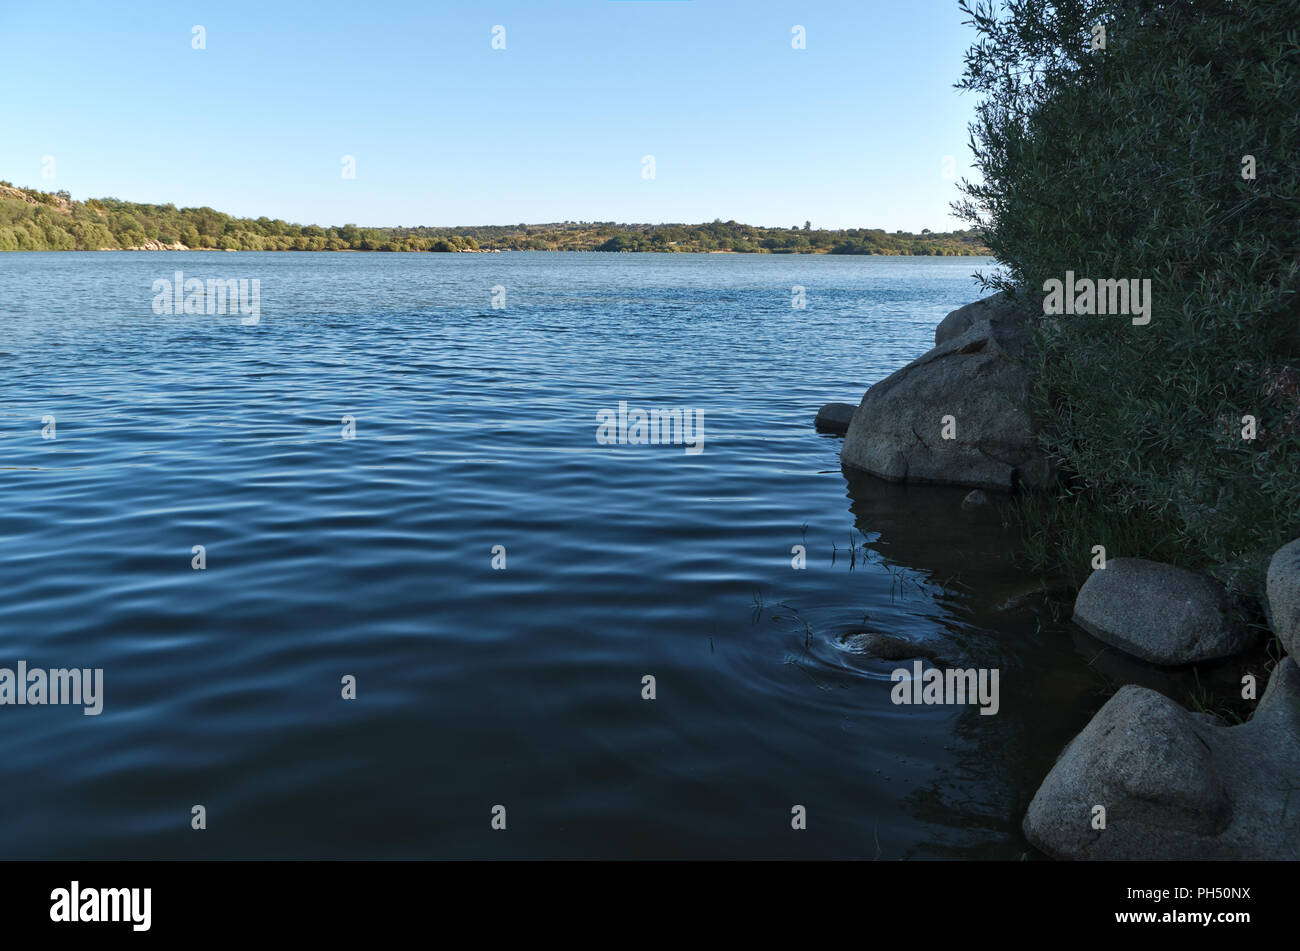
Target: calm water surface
[{"x": 372, "y": 557}]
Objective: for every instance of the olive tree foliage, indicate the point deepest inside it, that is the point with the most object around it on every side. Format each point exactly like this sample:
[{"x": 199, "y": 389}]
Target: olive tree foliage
[{"x": 1164, "y": 149}]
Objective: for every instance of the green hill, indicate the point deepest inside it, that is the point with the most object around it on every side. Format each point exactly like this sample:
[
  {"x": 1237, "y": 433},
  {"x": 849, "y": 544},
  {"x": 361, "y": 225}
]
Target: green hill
[{"x": 32, "y": 220}]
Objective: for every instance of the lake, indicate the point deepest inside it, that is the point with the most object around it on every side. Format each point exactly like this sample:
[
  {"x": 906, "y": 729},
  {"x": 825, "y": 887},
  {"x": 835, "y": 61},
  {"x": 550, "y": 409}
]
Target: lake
[{"x": 366, "y": 550}]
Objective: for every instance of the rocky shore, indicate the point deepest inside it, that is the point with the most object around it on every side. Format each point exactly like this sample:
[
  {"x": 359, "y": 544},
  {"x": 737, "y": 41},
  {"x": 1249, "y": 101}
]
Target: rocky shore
[{"x": 1147, "y": 778}]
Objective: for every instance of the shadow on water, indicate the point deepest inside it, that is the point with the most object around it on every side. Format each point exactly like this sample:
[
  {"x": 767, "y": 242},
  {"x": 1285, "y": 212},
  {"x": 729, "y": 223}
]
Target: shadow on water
[
  {"x": 992, "y": 619},
  {"x": 1053, "y": 676}
]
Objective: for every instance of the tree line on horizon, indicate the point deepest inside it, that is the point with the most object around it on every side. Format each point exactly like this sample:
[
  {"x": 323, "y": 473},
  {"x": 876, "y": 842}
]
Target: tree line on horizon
[{"x": 33, "y": 220}]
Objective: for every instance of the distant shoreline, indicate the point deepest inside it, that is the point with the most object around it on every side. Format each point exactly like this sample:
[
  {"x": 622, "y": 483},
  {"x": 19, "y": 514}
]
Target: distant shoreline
[
  {"x": 34, "y": 220},
  {"x": 761, "y": 252}
]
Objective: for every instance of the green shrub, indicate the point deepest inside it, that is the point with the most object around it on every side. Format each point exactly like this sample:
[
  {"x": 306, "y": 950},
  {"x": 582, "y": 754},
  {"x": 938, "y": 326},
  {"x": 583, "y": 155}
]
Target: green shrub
[{"x": 1127, "y": 162}]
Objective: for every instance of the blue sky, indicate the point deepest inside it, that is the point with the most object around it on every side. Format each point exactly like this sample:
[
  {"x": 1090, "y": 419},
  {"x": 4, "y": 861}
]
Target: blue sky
[{"x": 850, "y": 132}]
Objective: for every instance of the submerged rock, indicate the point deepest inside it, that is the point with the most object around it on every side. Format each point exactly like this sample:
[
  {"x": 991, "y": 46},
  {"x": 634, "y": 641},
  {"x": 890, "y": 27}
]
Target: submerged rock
[
  {"x": 834, "y": 418},
  {"x": 1028, "y": 596},
  {"x": 1160, "y": 613},
  {"x": 889, "y": 647},
  {"x": 1176, "y": 785},
  {"x": 956, "y": 415},
  {"x": 1284, "y": 596}
]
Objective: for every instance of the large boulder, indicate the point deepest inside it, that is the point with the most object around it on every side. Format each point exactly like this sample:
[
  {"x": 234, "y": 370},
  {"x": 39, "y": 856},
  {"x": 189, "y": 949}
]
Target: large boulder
[
  {"x": 971, "y": 388},
  {"x": 1284, "y": 596},
  {"x": 1176, "y": 785},
  {"x": 1160, "y": 613}
]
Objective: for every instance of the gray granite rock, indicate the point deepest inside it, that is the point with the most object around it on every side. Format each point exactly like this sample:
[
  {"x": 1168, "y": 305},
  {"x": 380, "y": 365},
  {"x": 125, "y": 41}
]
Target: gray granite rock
[
  {"x": 1284, "y": 596},
  {"x": 899, "y": 430},
  {"x": 1177, "y": 785},
  {"x": 1160, "y": 613},
  {"x": 834, "y": 417},
  {"x": 995, "y": 309}
]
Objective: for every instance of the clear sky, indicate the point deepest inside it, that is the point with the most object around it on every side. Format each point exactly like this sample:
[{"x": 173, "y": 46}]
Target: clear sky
[{"x": 850, "y": 132}]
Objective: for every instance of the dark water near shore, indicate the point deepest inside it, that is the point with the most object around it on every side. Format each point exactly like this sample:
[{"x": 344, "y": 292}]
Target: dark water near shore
[{"x": 372, "y": 557}]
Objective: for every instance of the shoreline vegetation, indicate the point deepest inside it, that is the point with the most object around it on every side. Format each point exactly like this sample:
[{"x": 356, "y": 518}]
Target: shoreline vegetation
[
  {"x": 1150, "y": 454},
  {"x": 33, "y": 220}
]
